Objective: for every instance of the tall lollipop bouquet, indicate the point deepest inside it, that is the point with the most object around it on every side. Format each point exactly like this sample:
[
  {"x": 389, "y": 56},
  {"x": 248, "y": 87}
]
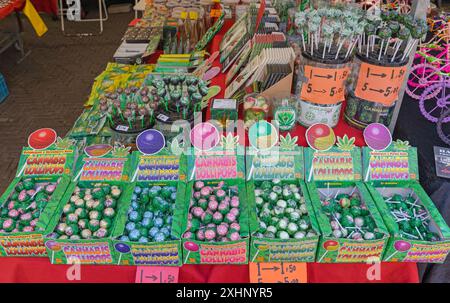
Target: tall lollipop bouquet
[
  {"x": 329, "y": 37},
  {"x": 330, "y": 32},
  {"x": 380, "y": 67}
]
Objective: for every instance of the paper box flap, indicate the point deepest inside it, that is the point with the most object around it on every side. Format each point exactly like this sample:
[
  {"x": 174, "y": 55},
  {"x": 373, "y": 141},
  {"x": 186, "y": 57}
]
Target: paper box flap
[
  {"x": 163, "y": 166},
  {"x": 46, "y": 162},
  {"x": 277, "y": 163},
  {"x": 396, "y": 163},
  {"x": 334, "y": 164},
  {"x": 217, "y": 163}
]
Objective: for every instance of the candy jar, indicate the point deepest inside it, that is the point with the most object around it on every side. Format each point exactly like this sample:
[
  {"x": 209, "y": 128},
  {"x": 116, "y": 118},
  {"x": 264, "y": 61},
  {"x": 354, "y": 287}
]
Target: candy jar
[
  {"x": 256, "y": 108},
  {"x": 285, "y": 113}
]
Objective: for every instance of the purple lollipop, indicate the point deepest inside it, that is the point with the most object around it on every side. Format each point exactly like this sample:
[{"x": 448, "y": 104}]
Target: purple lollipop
[
  {"x": 190, "y": 246},
  {"x": 400, "y": 246},
  {"x": 150, "y": 142},
  {"x": 377, "y": 136},
  {"x": 122, "y": 248}
]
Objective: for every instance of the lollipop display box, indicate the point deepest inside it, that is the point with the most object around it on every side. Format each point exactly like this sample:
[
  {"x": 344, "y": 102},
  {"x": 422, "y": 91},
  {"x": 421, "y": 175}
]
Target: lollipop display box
[
  {"x": 151, "y": 233},
  {"x": 418, "y": 231},
  {"x": 31, "y": 199},
  {"x": 282, "y": 220},
  {"x": 215, "y": 228},
  {"x": 352, "y": 230},
  {"x": 91, "y": 212}
]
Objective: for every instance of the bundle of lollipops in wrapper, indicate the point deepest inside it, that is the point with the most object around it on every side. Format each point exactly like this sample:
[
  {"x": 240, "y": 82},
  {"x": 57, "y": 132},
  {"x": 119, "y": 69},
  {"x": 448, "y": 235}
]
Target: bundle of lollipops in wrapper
[
  {"x": 330, "y": 32},
  {"x": 136, "y": 106},
  {"x": 180, "y": 94},
  {"x": 131, "y": 106},
  {"x": 391, "y": 36}
]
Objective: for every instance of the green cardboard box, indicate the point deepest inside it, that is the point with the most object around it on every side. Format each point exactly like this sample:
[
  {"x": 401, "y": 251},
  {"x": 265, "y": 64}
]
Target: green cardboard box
[
  {"x": 394, "y": 173},
  {"x": 285, "y": 164},
  {"x": 52, "y": 165},
  {"x": 112, "y": 169},
  {"x": 213, "y": 167},
  {"x": 162, "y": 169},
  {"x": 330, "y": 173}
]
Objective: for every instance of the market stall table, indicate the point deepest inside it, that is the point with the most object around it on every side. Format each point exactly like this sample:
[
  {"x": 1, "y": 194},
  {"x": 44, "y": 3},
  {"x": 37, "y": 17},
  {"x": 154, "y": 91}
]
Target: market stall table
[{"x": 40, "y": 269}]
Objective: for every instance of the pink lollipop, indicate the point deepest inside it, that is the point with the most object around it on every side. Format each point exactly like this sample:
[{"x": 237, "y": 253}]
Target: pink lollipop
[
  {"x": 190, "y": 246},
  {"x": 204, "y": 136},
  {"x": 377, "y": 136},
  {"x": 400, "y": 246}
]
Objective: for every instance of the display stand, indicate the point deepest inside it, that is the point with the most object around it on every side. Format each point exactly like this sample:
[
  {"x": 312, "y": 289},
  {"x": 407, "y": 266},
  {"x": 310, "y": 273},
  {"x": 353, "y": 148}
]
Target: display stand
[
  {"x": 102, "y": 9},
  {"x": 8, "y": 39}
]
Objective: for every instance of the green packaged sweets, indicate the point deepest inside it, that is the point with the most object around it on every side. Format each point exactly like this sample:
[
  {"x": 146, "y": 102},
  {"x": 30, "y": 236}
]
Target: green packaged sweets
[
  {"x": 282, "y": 220},
  {"x": 90, "y": 212},
  {"x": 418, "y": 231},
  {"x": 352, "y": 230},
  {"x": 215, "y": 229},
  {"x": 28, "y": 203},
  {"x": 151, "y": 233}
]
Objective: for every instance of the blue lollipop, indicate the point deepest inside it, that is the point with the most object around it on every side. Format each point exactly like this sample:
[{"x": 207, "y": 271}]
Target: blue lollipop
[{"x": 122, "y": 248}]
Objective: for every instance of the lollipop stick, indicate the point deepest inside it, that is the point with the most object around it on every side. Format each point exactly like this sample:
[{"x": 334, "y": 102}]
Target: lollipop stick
[
  {"x": 250, "y": 173},
  {"x": 303, "y": 42},
  {"x": 399, "y": 44},
  {"x": 388, "y": 258},
  {"x": 192, "y": 174},
  {"x": 187, "y": 256},
  {"x": 53, "y": 256},
  {"x": 78, "y": 176},
  {"x": 381, "y": 50},
  {"x": 21, "y": 171},
  {"x": 321, "y": 258},
  {"x": 367, "y": 174},
  {"x": 339, "y": 49},
  {"x": 324, "y": 49},
  {"x": 120, "y": 258},
  {"x": 135, "y": 175},
  {"x": 310, "y": 173},
  {"x": 254, "y": 257}
]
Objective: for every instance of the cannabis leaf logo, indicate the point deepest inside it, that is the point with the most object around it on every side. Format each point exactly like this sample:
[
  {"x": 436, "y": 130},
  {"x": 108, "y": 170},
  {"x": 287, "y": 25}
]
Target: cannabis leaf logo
[
  {"x": 401, "y": 145},
  {"x": 288, "y": 142},
  {"x": 120, "y": 151},
  {"x": 229, "y": 141},
  {"x": 345, "y": 143}
]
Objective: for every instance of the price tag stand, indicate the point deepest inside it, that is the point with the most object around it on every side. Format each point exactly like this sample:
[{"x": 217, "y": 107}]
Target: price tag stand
[
  {"x": 322, "y": 90},
  {"x": 374, "y": 94}
]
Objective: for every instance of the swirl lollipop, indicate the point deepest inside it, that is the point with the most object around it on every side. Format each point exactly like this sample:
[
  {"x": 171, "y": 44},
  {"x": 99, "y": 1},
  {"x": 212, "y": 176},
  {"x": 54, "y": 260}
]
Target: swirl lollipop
[
  {"x": 190, "y": 246},
  {"x": 122, "y": 248},
  {"x": 329, "y": 245},
  {"x": 53, "y": 246},
  {"x": 400, "y": 246}
]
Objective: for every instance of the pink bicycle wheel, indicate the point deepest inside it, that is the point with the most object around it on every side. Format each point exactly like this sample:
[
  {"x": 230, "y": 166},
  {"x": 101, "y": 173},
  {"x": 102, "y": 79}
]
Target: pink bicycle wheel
[
  {"x": 420, "y": 77},
  {"x": 433, "y": 107}
]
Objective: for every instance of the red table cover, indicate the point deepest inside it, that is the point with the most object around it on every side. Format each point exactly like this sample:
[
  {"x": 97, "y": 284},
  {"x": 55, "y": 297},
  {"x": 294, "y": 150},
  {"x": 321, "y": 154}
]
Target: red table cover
[
  {"x": 40, "y": 269},
  {"x": 15, "y": 4}
]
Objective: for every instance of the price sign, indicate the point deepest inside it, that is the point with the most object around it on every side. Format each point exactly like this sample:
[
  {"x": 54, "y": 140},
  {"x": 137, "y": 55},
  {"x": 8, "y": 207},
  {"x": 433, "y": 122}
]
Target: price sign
[
  {"x": 215, "y": 13},
  {"x": 157, "y": 274},
  {"x": 278, "y": 272},
  {"x": 379, "y": 84},
  {"x": 324, "y": 85}
]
